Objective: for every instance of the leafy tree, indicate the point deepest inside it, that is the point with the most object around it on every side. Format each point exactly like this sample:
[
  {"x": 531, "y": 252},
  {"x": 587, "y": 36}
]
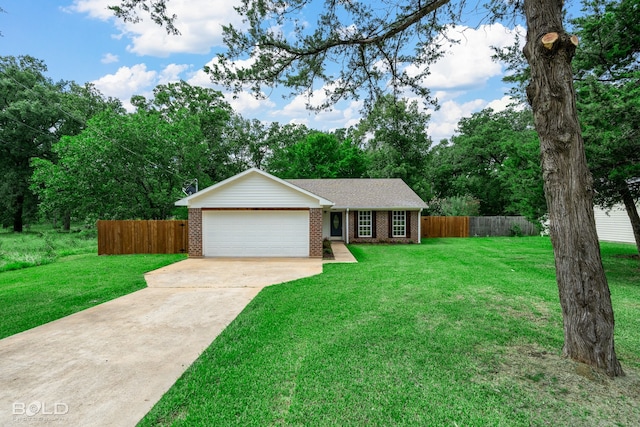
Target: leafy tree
[
  {"x": 375, "y": 42},
  {"x": 606, "y": 74},
  {"x": 495, "y": 159},
  {"x": 250, "y": 139},
  {"x": 257, "y": 142},
  {"x": 279, "y": 137},
  {"x": 319, "y": 155},
  {"x": 608, "y": 86},
  {"x": 35, "y": 114},
  {"x": 211, "y": 113},
  {"x": 122, "y": 166},
  {"x": 523, "y": 178},
  {"x": 394, "y": 135},
  {"x": 78, "y": 104},
  {"x": 478, "y": 158},
  {"x": 29, "y": 114},
  {"x": 465, "y": 205}
]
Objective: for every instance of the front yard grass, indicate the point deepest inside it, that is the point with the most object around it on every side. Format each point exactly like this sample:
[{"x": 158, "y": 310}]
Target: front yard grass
[
  {"x": 462, "y": 332},
  {"x": 32, "y": 296}
]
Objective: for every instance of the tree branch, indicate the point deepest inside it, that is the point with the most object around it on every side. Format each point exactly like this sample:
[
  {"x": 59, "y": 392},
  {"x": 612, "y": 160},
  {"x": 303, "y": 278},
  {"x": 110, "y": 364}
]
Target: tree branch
[{"x": 393, "y": 29}]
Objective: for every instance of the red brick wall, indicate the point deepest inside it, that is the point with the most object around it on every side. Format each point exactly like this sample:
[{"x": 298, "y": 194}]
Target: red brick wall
[
  {"x": 195, "y": 232},
  {"x": 382, "y": 225},
  {"x": 382, "y": 229},
  {"x": 315, "y": 233}
]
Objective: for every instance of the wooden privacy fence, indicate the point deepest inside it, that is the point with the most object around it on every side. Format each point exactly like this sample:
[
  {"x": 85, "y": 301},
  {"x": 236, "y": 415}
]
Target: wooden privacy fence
[
  {"x": 465, "y": 226},
  {"x": 445, "y": 226},
  {"x": 142, "y": 237}
]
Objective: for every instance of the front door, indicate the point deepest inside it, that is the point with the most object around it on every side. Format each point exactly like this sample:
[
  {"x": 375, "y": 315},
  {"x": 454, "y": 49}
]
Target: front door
[{"x": 336, "y": 224}]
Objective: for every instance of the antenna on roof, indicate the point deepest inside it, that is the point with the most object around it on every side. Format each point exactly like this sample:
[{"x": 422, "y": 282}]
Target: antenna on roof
[{"x": 190, "y": 187}]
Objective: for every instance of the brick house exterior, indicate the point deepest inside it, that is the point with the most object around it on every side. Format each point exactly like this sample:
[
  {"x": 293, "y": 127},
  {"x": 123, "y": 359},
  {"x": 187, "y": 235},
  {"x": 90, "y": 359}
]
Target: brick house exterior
[
  {"x": 383, "y": 232},
  {"x": 257, "y": 214}
]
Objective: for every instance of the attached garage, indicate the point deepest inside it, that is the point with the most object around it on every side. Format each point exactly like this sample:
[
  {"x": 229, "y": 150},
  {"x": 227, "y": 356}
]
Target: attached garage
[
  {"x": 255, "y": 233},
  {"x": 255, "y": 214}
]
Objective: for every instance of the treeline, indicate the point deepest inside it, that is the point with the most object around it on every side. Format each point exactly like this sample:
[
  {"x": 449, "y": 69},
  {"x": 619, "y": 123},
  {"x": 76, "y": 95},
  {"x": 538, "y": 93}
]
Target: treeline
[{"x": 70, "y": 152}]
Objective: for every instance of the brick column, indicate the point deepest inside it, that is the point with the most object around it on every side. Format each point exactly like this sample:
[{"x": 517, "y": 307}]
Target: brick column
[
  {"x": 353, "y": 225},
  {"x": 382, "y": 226},
  {"x": 195, "y": 232},
  {"x": 315, "y": 233}
]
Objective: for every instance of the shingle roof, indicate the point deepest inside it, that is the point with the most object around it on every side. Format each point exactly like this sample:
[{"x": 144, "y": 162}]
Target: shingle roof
[{"x": 375, "y": 193}]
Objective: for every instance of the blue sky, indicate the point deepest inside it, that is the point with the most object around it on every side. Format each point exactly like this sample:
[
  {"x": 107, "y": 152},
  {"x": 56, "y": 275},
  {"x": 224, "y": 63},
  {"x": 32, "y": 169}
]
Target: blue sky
[{"x": 80, "y": 40}]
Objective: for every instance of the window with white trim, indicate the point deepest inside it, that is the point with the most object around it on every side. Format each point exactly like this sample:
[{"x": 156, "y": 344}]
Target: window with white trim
[
  {"x": 399, "y": 223},
  {"x": 365, "y": 224}
]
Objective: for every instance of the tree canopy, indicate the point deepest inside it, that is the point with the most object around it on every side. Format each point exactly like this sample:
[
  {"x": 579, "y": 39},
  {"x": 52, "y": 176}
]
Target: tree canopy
[
  {"x": 608, "y": 88},
  {"x": 495, "y": 159},
  {"x": 319, "y": 155},
  {"x": 395, "y": 136},
  {"x": 134, "y": 165}
]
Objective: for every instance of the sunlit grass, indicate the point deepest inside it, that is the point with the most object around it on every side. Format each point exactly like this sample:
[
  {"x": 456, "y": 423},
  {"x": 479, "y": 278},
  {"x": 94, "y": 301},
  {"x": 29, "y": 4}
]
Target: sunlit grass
[
  {"x": 32, "y": 296},
  {"x": 452, "y": 332}
]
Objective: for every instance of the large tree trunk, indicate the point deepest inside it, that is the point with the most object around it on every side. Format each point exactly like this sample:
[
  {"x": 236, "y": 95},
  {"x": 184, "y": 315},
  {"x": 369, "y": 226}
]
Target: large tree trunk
[
  {"x": 66, "y": 221},
  {"x": 584, "y": 292},
  {"x": 17, "y": 215},
  {"x": 632, "y": 211}
]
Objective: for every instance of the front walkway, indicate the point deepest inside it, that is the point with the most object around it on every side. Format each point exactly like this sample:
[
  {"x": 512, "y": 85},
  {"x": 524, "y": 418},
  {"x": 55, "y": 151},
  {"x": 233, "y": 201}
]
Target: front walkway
[
  {"x": 341, "y": 253},
  {"x": 109, "y": 364}
]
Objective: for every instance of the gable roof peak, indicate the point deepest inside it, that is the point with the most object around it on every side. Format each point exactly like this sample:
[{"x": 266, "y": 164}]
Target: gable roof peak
[{"x": 229, "y": 181}]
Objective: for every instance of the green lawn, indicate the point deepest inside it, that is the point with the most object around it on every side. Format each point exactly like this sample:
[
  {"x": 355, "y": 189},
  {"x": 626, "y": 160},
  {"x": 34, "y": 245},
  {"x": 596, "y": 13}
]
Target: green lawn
[
  {"x": 33, "y": 296},
  {"x": 453, "y": 332}
]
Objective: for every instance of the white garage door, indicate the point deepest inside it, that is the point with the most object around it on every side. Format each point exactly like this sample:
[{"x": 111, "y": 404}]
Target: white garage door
[{"x": 255, "y": 233}]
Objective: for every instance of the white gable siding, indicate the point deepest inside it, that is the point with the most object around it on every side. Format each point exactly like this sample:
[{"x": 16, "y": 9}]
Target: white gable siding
[
  {"x": 614, "y": 225},
  {"x": 254, "y": 191}
]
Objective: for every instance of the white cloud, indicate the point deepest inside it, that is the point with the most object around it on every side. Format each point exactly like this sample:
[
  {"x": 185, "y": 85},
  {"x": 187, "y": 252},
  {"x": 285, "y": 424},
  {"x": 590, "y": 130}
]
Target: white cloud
[
  {"x": 500, "y": 104},
  {"x": 199, "y": 22},
  {"x": 342, "y": 115},
  {"x": 200, "y": 78},
  {"x": 171, "y": 73},
  {"x": 109, "y": 58},
  {"x": 243, "y": 103},
  {"x": 97, "y": 9},
  {"x": 468, "y": 64},
  {"x": 248, "y": 105},
  {"x": 126, "y": 82},
  {"x": 346, "y": 116},
  {"x": 444, "y": 122}
]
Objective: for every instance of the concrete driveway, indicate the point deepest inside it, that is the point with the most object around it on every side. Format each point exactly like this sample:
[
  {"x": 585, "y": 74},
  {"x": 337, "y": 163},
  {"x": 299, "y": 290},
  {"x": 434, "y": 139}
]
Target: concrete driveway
[
  {"x": 232, "y": 272},
  {"x": 108, "y": 365}
]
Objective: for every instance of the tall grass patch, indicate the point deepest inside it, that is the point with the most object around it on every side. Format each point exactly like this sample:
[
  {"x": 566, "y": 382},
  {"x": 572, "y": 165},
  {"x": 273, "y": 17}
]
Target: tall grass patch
[{"x": 43, "y": 245}]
